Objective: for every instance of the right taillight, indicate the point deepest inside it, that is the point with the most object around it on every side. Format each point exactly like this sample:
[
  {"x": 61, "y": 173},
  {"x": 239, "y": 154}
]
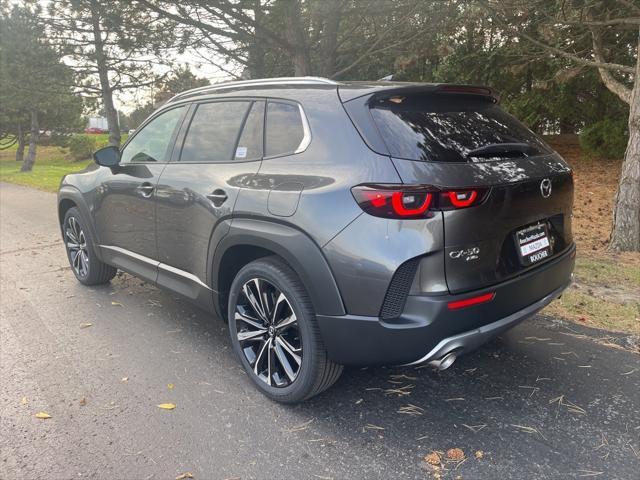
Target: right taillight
[{"x": 413, "y": 201}]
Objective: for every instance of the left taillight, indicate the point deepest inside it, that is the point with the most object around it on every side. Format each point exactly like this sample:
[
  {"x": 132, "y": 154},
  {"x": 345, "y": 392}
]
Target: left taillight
[{"x": 412, "y": 201}]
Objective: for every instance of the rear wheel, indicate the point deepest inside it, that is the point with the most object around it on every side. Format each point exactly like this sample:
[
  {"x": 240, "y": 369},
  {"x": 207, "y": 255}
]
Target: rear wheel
[
  {"x": 274, "y": 332},
  {"x": 81, "y": 252}
]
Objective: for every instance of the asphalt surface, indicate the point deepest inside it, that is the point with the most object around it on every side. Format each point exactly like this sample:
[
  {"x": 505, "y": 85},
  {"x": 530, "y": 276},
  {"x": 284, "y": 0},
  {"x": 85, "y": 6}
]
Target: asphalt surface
[{"x": 546, "y": 400}]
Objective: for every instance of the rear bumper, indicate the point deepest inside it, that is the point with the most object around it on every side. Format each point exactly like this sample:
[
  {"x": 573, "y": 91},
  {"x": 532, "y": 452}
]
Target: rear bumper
[{"x": 428, "y": 329}]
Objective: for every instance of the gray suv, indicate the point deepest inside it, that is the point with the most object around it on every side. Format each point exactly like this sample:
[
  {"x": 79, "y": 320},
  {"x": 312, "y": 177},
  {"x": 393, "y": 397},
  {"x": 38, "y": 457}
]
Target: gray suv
[{"x": 332, "y": 223}]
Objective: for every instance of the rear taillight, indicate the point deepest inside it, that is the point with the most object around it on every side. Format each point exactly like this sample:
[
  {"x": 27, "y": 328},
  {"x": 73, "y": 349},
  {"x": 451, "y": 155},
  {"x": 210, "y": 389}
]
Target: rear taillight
[{"x": 412, "y": 201}]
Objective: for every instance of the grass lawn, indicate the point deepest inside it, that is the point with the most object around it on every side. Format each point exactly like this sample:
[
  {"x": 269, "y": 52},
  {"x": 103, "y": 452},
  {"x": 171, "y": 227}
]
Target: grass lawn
[
  {"x": 52, "y": 163},
  {"x": 605, "y": 294}
]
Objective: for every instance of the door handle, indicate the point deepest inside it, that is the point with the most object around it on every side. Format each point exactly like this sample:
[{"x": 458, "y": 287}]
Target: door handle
[
  {"x": 218, "y": 197},
  {"x": 146, "y": 189}
]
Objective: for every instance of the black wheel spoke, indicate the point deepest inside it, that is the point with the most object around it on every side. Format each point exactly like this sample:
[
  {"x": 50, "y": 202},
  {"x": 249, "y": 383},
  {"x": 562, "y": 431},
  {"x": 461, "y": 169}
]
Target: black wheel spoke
[{"x": 268, "y": 334}]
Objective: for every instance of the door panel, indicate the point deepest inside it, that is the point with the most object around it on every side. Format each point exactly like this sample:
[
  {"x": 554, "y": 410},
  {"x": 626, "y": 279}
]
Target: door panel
[
  {"x": 187, "y": 216},
  {"x": 125, "y": 212}
]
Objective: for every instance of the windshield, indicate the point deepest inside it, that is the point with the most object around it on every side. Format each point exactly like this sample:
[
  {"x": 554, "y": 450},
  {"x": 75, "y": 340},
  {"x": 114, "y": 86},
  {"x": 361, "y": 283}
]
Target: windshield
[{"x": 446, "y": 128}]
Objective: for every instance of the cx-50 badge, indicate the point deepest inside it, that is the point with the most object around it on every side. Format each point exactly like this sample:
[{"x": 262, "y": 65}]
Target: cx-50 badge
[
  {"x": 466, "y": 254},
  {"x": 545, "y": 188}
]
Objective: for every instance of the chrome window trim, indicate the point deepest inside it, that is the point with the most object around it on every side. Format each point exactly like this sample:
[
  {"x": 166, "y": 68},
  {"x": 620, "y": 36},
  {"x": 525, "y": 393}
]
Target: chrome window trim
[{"x": 306, "y": 138}]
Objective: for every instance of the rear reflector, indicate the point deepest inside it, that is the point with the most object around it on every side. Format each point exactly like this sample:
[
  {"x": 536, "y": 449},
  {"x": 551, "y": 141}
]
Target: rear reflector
[{"x": 468, "y": 302}]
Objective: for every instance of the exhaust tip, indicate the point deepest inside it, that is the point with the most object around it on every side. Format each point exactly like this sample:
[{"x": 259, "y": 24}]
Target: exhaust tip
[{"x": 444, "y": 362}]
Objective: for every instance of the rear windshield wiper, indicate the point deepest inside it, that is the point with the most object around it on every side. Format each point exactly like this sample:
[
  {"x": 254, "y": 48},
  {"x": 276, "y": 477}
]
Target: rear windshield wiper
[{"x": 504, "y": 150}]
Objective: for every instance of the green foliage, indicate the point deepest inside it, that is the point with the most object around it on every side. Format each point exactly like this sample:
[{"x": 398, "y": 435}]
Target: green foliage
[
  {"x": 33, "y": 77},
  {"x": 81, "y": 147},
  {"x": 606, "y": 138}
]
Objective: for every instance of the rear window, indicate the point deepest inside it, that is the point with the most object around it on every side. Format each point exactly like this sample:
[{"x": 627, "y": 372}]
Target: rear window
[{"x": 446, "y": 128}]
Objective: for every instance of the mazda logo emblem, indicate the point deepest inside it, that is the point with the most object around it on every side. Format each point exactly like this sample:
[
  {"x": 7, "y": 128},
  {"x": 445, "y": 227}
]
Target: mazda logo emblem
[{"x": 545, "y": 188}]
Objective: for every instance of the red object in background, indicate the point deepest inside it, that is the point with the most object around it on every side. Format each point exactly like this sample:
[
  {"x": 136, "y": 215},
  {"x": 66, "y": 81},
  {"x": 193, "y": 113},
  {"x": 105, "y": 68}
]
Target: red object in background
[{"x": 94, "y": 130}]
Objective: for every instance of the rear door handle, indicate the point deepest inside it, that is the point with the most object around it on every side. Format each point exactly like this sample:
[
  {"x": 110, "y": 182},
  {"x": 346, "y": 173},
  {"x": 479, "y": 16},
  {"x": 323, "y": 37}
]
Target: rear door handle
[
  {"x": 146, "y": 189},
  {"x": 218, "y": 197}
]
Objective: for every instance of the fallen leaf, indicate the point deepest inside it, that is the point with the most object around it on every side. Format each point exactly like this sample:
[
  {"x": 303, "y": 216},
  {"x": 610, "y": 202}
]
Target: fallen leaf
[
  {"x": 167, "y": 406},
  {"x": 170, "y": 386},
  {"x": 432, "y": 458},
  {"x": 83, "y": 402},
  {"x": 455, "y": 454},
  {"x": 24, "y": 401},
  {"x": 184, "y": 475},
  {"x": 117, "y": 304},
  {"x": 479, "y": 454},
  {"x": 86, "y": 325},
  {"x": 43, "y": 415}
]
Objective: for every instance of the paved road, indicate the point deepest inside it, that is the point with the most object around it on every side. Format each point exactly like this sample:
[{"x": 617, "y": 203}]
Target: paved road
[{"x": 546, "y": 400}]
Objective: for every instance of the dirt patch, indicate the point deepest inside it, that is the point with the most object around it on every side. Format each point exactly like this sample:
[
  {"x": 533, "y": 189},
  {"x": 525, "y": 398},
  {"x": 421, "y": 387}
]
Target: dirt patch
[{"x": 606, "y": 293}]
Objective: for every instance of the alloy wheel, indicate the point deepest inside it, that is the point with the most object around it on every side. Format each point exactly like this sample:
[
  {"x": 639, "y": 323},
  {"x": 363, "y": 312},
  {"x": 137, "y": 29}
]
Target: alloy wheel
[
  {"x": 268, "y": 332},
  {"x": 77, "y": 247}
]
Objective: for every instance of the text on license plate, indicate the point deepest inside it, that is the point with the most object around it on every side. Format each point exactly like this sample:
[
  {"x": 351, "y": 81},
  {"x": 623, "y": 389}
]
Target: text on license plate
[{"x": 529, "y": 248}]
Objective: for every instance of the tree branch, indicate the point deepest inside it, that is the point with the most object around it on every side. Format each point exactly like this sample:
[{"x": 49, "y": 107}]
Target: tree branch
[{"x": 608, "y": 79}]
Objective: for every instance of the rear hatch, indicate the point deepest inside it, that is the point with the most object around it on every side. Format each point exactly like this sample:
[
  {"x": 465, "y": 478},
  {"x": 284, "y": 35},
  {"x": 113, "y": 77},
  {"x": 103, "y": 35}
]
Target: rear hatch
[{"x": 457, "y": 138}]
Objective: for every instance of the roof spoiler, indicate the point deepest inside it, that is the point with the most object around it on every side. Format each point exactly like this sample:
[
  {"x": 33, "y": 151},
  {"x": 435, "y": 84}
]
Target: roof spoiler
[
  {"x": 438, "y": 88},
  {"x": 375, "y": 91}
]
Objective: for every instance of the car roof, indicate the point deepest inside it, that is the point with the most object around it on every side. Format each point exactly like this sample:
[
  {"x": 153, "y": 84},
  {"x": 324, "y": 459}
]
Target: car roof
[{"x": 348, "y": 89}]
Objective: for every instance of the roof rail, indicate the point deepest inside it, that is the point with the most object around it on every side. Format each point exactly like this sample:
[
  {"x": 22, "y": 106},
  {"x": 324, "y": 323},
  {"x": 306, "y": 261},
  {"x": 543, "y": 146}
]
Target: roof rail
[{"x": 256, "y": 82}]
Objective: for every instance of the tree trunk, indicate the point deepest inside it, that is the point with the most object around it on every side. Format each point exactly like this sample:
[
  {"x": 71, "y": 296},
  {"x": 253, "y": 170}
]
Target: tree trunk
[
  {"x": 297, "y": 39},
  {"x": 329, "y": 41},
  {"x": 625, "y": 235},
  {"x": 27, "y": 165},
  {"x": 21, "y": 140},
  {"x": 256, "y": 49},
  {"x": 103, "y": 73}
]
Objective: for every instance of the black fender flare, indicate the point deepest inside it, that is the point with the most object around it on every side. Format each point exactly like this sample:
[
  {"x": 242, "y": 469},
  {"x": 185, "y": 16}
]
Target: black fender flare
[
  {"x": 302, "y": 254},
  {"x": 68, "y": 192}
]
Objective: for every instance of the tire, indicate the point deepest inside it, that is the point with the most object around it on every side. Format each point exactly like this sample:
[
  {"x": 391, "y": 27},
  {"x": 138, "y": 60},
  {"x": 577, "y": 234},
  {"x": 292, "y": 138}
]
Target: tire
[
  {"x": 81, "y": 252},
  {"x": 290, "y": 327}
]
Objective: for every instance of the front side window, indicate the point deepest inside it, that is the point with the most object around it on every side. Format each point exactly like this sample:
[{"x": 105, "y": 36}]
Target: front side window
[
  {"x": 284, "y": 130},
  {"x": 151, "y": 143},
  {"x": 214, "y": 131}
]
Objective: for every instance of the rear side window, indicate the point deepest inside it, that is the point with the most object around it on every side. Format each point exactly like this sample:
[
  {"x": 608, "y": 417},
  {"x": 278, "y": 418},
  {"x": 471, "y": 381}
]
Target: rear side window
[
  {"x": 250, "y": 143},
  {"x": 284, "y": 130},
  {"x": 213, "y": 132},
  {"x": 449, "y": 128}
]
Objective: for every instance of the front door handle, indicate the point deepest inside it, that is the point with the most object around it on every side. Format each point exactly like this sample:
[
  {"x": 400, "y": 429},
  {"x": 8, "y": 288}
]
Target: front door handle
[
  {"x": 146, "y": 189},
  {"x": 218, "y": 197}
]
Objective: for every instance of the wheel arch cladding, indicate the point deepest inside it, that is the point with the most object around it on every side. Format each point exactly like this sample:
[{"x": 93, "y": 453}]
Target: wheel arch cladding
[{"x": 249, "y": 239}]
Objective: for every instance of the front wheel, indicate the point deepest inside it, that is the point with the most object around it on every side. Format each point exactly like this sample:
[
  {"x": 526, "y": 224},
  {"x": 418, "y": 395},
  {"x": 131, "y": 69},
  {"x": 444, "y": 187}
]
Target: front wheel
[
  {"x": 274, "y": 333},
  {"x": 81, "y": 251}
]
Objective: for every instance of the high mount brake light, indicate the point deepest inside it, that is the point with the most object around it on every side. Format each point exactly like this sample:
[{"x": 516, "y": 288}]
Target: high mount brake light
[{"x": 412, "y": 201}]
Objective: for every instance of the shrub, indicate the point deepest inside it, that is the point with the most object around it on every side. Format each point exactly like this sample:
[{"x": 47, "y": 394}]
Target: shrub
[
  {"x": 82, "y": 147},
  {"x": 606, "y": 138}
]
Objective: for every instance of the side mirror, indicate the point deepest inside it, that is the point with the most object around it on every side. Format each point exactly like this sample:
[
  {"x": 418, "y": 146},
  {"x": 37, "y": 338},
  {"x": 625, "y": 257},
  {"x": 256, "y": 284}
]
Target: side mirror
[{"x": 107, "y": 156}]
